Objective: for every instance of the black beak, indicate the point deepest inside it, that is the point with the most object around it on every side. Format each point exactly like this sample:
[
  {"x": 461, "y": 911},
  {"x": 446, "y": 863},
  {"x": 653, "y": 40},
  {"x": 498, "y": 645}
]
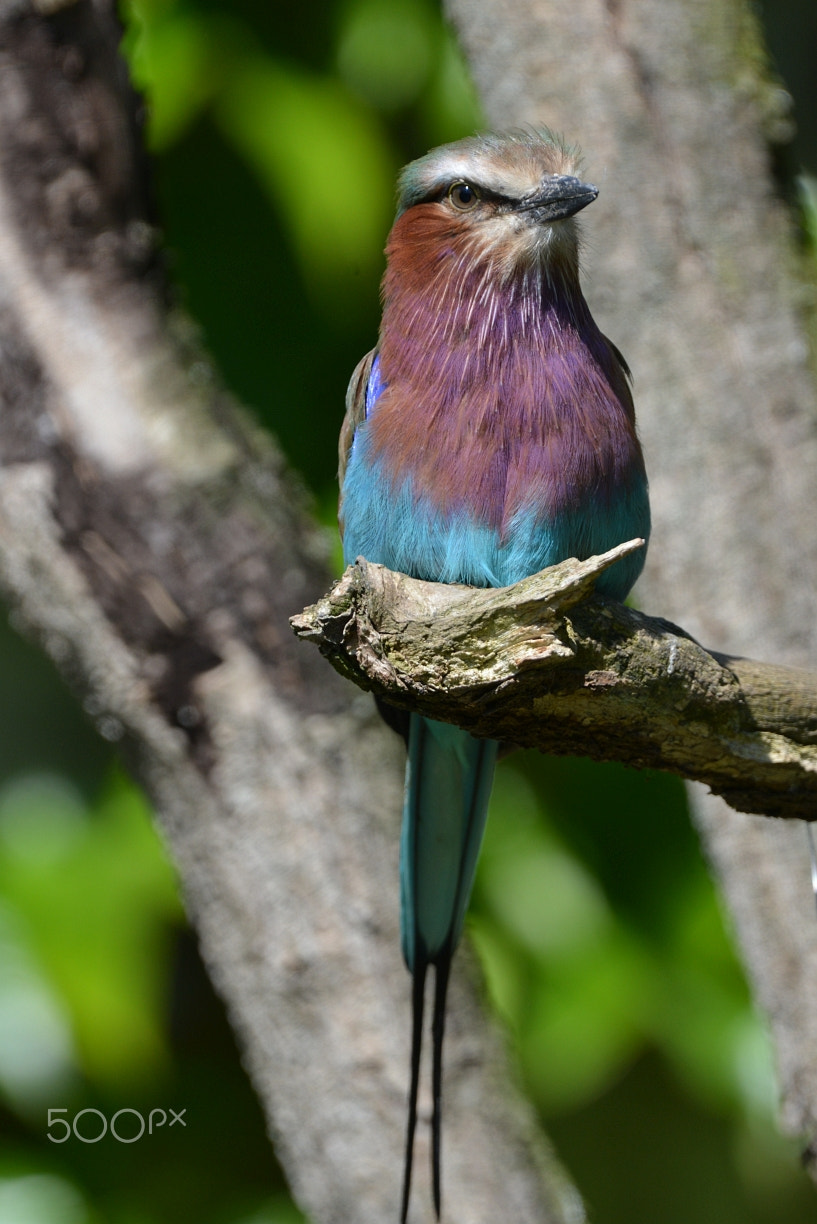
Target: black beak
[{"x": 558, "y": 197}]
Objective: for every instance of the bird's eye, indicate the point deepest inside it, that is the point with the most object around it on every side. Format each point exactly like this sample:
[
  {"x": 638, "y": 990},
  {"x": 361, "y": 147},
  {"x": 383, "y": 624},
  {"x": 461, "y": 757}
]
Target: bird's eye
[{"x": 463, "y": 196}]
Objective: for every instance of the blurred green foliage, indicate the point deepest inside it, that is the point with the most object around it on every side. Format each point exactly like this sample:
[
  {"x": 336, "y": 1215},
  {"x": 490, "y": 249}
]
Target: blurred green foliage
[
  {"x": 277, "y": 135},
  {"x": 277, "y": 142}
]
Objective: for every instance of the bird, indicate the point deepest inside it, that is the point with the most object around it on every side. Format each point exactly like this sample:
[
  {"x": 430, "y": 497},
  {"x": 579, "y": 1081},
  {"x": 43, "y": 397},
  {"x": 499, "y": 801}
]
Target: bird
[{"x": 489, "y": 434}]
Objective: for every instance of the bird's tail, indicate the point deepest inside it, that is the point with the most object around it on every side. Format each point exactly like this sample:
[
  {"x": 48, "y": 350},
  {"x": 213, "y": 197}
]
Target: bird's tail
[{"x": 448, "y": 784}]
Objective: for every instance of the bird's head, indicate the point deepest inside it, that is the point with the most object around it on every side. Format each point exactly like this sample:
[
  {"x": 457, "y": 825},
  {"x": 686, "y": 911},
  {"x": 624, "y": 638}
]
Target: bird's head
[{"x": 513, "y": 195}]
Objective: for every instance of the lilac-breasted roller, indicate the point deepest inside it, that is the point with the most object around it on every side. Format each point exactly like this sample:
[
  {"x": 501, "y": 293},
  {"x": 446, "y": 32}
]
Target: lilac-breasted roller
[{"x": 489, "y": 434}]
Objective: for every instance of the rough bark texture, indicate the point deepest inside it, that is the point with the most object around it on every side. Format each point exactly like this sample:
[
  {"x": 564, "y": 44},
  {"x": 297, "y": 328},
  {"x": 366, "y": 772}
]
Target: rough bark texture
[
  {"x": 691, "y": 269},
  {"x": 543, "y": 664},
  {"x": 153, "y": 542}
]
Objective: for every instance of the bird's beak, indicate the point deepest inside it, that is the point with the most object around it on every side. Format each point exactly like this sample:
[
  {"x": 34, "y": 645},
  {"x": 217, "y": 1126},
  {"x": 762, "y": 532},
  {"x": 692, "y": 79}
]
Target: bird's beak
[{"x": 558, "y": 197}]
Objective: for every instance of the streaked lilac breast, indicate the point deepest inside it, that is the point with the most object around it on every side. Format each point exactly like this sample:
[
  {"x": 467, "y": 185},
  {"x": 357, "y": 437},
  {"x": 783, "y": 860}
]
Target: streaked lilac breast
[{"x": 501, "y": 398}]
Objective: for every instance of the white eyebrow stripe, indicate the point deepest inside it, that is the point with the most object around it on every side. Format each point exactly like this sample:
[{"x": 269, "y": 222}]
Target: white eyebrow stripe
[
  {"x": 482, "y": 176},
  {"x": 513, "y": 166}
]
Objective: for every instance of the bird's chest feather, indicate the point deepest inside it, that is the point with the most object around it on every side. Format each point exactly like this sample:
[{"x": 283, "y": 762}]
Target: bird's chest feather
[{"x": 499, "y": 439}]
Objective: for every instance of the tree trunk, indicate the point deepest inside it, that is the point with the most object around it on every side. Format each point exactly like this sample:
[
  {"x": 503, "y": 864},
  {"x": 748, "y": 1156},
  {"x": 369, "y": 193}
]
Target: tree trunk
[
  {"x": 691, "y": 269},
  {"x": 152, "y": 540}
]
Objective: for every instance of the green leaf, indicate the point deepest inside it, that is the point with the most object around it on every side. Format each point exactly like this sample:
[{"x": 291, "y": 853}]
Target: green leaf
[
  {"x": 175, "y": 64},
  {"x": 96, "y": 899},
  {"x": 386, "y": 49},
  {"x": 324, "y": 163}
]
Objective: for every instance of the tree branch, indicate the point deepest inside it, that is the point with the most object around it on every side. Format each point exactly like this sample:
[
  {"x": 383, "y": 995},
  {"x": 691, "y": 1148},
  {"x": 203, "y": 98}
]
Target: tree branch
[{"x": 545, "y": 664}]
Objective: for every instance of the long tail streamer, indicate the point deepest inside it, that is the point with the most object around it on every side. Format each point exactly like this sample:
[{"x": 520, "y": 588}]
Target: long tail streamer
[{"x": 447, "y": 790}]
